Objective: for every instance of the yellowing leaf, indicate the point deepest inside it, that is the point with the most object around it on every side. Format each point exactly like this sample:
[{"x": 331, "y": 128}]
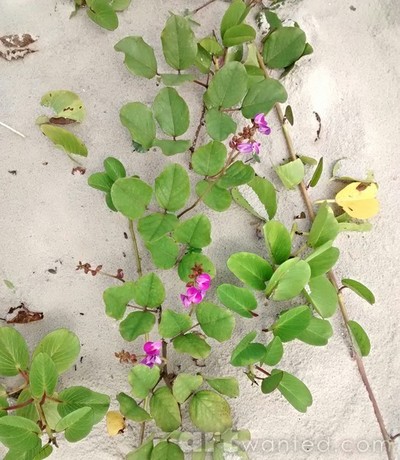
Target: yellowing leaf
[
  {"x": 359, "y": 200},
  {"x": 115, "y": 423}
]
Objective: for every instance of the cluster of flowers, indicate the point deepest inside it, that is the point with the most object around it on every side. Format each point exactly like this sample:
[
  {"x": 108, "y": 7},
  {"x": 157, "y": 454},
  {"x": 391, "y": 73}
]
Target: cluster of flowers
[
  {"x": 245, "y": 142},
  {"x": 196, "y": 290},
  {"x": 153, "y": 351}
]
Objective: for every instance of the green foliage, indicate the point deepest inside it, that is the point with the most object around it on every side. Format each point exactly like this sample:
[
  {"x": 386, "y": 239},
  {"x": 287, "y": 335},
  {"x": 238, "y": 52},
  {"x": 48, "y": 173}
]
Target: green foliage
[
  {"x": 143, "y": 452},
  {"x": 116, "y": 299},
  {"x": 142, "y": 379},
  {"x": 234, "y": 15},
  {"x": 216, "y": 322},
  {"x": 322, "y": 259},
  {"x": 274, "y": 351},
  {"x": 288, "y": 280},
  {"x": 136, "y": 324},
  {"x": 213, "y": 196},
  {"x": 324, "y": 228},
  {"x": 173, "y": 79},
  {"x": 295, "y": 391},
  {"x": 237, "y": 174},
  {"x": 155, "y": 226},
  {"x": 171, "y": 112},
  {"x": 149, "y": 291},
  {"x": 65, "y": 104},
  {"x": 74, "y": 398},
  {"x": 138, "y": 118},
  {"x": 239, "y": 300},
  {"x": 77, "y": 424},
  {"x": 195, "y": 232},
  {"x": 19, "y": 434},
  {"x": 361, "y": 338},
  {"x": 317, "y": 333},
  {"x": 292, "y": 322},
  {"x": 209, "y": 159},
  {"x": 173, "y": 323},
  {"x": 184, "y": 385},
  {"x": 164, "y": 252},
  {"x": 246, "y": 352},
  {"x": 167, "y": 450},
  {"x": 262, "y": 96},
  {"x": 278, "y": 240},
  {"x": 210, "y": 412},
  {"x": 323, "y": 296},
  {"x": 103, "y": 14},
  {"x": 193, "y": 345},
  {"x": 172, "y": 147},
  {"x": 251, "y": 269},
  {"x": 131, "y": 410},
  {"x": 219, "y": 125},
  {"x": 43, "y": 376},
  {"x": 227, "y": 386},
  {"x": 283, "y": 47},
  {"x": 172, "y": 188},
  {"x": 190, "y": 260},
  {"x": 165, "y": 410},
  {"x": 291, "y": 173},
  {"x": 359, "y": 289},
  {"x": 271, "y": 383},
  {"x": 131, "y": 196},
  {"x": 139, "y": 56},
  {"x": 64, "y": 139},
  {"x": 14, "y": 354},
  {"x": 239, "y": 34}
]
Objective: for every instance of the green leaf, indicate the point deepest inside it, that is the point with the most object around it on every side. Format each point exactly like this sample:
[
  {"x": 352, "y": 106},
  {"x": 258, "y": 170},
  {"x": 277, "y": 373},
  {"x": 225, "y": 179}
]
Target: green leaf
[
  {"x": 195, "y": 232},
  {"x": 254, "y": 74},
  {"x": 317, "y": 173},
  {"x": 210, "y": 412},
  {"x": 271, "y": 383},
  {"x": 288, "y": 280},
  {"x": 273, "y": 19},
  {"x": 74, "y": 398},
  {"x": 14, "y": 354},
  {"x": 103, "y": 14},
  {"x": 136, "y": 324},
  {"x": 166, "y": 450},
  {"x": 114, "y": 169},
  {"x": 64, "y": 139},
  {"x": 219, "y": 125},
  {"x": 173, "y": 323},
  {"x": 100, "y": 181},
  {"x": 184, "y": 385},
  {"x": 149, "y": 291},
  {"x": 359, "y": 335},
  {"x": 278, "y": 241},
  {"x": 43, "y": 376},
  {"x": 250, "y": 268},
  {"x": 139, "y": 56},
  {"x": 143, "y": 452},
  {"x": 142, "y": 379},
  {"x": 65, "y": 104},
  {"x": 116, "y": 299},
  {"x": 283, "y": 47},
  {"x": 291, "y": 174},
  {"x": 77, "y": 425},
  {"x": 110, "y": 203},
  {"x": 266, "y": 193},
  {"x": 189, "y": 261},
  {"x": 227, "y": 386},
  {"x": 30, "y": 412},
  {"x": 237, "y": 174},
  {"x": 203, "y": 60},
  {"x": 44, "y": 452},
  {"x": 138, "y": 118},
  {"x": 172, "y": 147},
  {"x": 291, "y": 323},
  {"x": 209, "y": 159},
  {"x": 289, "y": 115},
  {"x": 171, "y": 112},
  {"x": 239, "y": 300},
  {"x": 323, "y": 296},
  {"x": 274, "y": 352},
  {"x": 294, "y": 390},
  {"x": 359, "y": 289},
  {"x": 131, "y": 196},
  {"x": 216, "y": 322},
  {"x": 19, "y": 434},
  {"x": 164, "y": 252},
  {"x": 193, "y": 345},
  {"x": 173, "y": 79},
  {"x": 130, "y": 409},
  {"x": 62, "y": 346},
  {"x": 228, "y": 86},
  {"x": 172, "y": 187},
  {"x": 234, "y": 15},
  {"x": 165, "y": 410},
  {"x": 239, "y": 34},
  {"x": 178, "y": 43},
  {"x": 213, "y": 196},
  {"x": 155, "y": 226},
  {"x": 261, "y": 97},
  {"x": 324, "y": 228},
  {"x": 242, "y": 202},
  {"x": 317, "y": 333},
  {"x": 246, "y": 352},
  {"x": 212, "y": 46},
  {"x": 322, "y": 259},
  {"x": 120, "y": 5}
]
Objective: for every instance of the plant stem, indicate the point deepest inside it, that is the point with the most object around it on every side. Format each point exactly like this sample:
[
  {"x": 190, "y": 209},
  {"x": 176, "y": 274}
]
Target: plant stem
[
  {"x": 135, "y": 249},
  {"x": 42, "y": 416},
  {"x": 12, "y": 129},
  {"x": 109, "y": 275},
  {"x": 301, "y": 249},
  {"x": 332, "y": 278},
  {"x": 262, "y": 370},
  {"x": 17, "y": 390},
  {"x": 18, "y": 406},
  {"x": 198, "y": 82},
  {"x": 203, "y": 6}
]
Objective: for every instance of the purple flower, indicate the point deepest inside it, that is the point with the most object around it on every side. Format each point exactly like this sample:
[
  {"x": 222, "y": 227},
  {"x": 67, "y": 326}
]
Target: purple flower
[
  {"x": 152, "y": 350},
  {"x": 249, "y": 147},
  {"x": 195, "y": 293},
  {"x": 203, "y": 281},
  {"x": 262, "y": 124}
]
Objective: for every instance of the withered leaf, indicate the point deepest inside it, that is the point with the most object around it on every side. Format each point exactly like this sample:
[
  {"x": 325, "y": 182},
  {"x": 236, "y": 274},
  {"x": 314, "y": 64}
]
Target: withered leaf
[
  {"x": 22, "y": 315},
  {"x": 16, "y": 46}
]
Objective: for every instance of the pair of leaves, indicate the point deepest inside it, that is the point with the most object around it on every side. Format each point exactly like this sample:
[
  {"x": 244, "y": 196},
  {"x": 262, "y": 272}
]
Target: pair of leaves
[
  {"x": 233, "y": 31},
  {"x": 103, "y": 12}
]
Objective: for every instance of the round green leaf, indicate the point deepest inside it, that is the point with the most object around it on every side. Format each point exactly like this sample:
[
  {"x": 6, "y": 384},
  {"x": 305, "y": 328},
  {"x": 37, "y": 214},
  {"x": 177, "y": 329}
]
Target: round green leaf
[
  {"x": 189, "y": 261},
  {"x": 165, "y": 410},
  {"x": 323, "y": 296},
  {"x": 322, "y": 259},
  {"x": 74, "y": 398},
  {"x": 178, "y": 43},
  {"x": 212, "y": 46},
  {"x": 239, "y": 300},
  {"x": 136, "y": 324},
  {"x": 164, "y": 252},
  {"x": 184, "y": 385},
  {"x": 272, "y": 382},
  {"x": 283, "y": 47},
  {"x": 62, "y": 346},
  {"x": 130, "y": 409},
  {"x": 43, "y": 376},
  {"x": 173, "y": 323},
  {"x": 64, "y": 139},
  {"x": 76, "y": 425},
  {"x": 131, "y": 196},
  {"x": 250, "y": 268},
  {"x": 324, "y": 228},
  {"x": 274, "y": 352},
  {"x": 227, "y": 386},
  {"x": 237, "y": 174},
  {"x": 262, "y": 97},
  {"x": 172, "y": 187},
  {"x": 116, "y": 299},
  {"x": 278, "y": 241},
  {"x": 100, "y": 181},
  {"x": 166, "y": 450},
  {"x": 213, "y": 196},
  {"x": 361, "y": 337},
  {"x": 172, "y": 147},
  {"x": 65, "y": 104},
  {"x": 210, "y": 412},
  {"x": 114, "y": 168},
  {"x": 14, "y": 353},
  {"x": 246, "y": 352},
  {"x": 139, "y": 56},
  {"x": 193, "y": 345},
  {"x": 239, "y": 34},
  {"x": 138, "y": 118},
  {"x": 288, "y": 280},
  {"x": 219, "y": 125},
  {"x": 196, "y": 231},
  {"x": 103, "y": 14},
  {"x": 171, "y": 112},
  {"x": 142, "y": 379},
  {"x": 291, "y": 173},
  {"x": 294, "y": 390},
  {"x": 234, "y": 15},
  {"x": 30, "y": 412},
  {"x": 359, "y": 289},
  {"x": 149, "y": 291},
  {"x": 209, "y": 159},
  {"x": 292, "y": 322},
  {"x": 143, "y": 452},
  {"x": 155, "y": 226},
  {"x": 19, "y": 434},
  {"x": 216, "y": 322},
  {"x": 317, "y": 333}
]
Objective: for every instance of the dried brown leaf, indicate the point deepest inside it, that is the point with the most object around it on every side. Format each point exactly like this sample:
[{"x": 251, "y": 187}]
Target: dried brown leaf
[{"x": 16, "y": 46}]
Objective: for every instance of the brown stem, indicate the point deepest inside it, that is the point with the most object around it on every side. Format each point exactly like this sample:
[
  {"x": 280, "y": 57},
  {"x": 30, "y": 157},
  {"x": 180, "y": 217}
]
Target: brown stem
[
  {"x": 203, "y": 6},
  {"x": 198, "y": 82},
  {"x": 262, "y": 370},
  {"x": 135, "y": 249},
  {"x": 184, "y": 332},
  {"x": 109, "y": 275},
  {"x": 18, "y": 406},
  {"x": 17, "y": 390}
]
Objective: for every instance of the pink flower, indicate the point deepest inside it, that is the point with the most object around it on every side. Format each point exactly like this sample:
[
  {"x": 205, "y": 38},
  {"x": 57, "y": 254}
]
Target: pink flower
[
  {"x": 152, "y": 350},
  {"x": 262, "y": 124},
  {"x": 195, "y": 294},
  {"x": 203, "y": 281},
  {"x": 249, "y": 147}
]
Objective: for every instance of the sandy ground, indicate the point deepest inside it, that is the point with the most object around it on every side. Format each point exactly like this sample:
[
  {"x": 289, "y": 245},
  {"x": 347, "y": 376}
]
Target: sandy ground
[{"x": 50, "y": 219}]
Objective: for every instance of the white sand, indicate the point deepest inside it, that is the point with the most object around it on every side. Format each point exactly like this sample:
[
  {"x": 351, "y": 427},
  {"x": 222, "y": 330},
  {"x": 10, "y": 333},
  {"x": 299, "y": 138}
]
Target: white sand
[{"x": 50, "y": 218}]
